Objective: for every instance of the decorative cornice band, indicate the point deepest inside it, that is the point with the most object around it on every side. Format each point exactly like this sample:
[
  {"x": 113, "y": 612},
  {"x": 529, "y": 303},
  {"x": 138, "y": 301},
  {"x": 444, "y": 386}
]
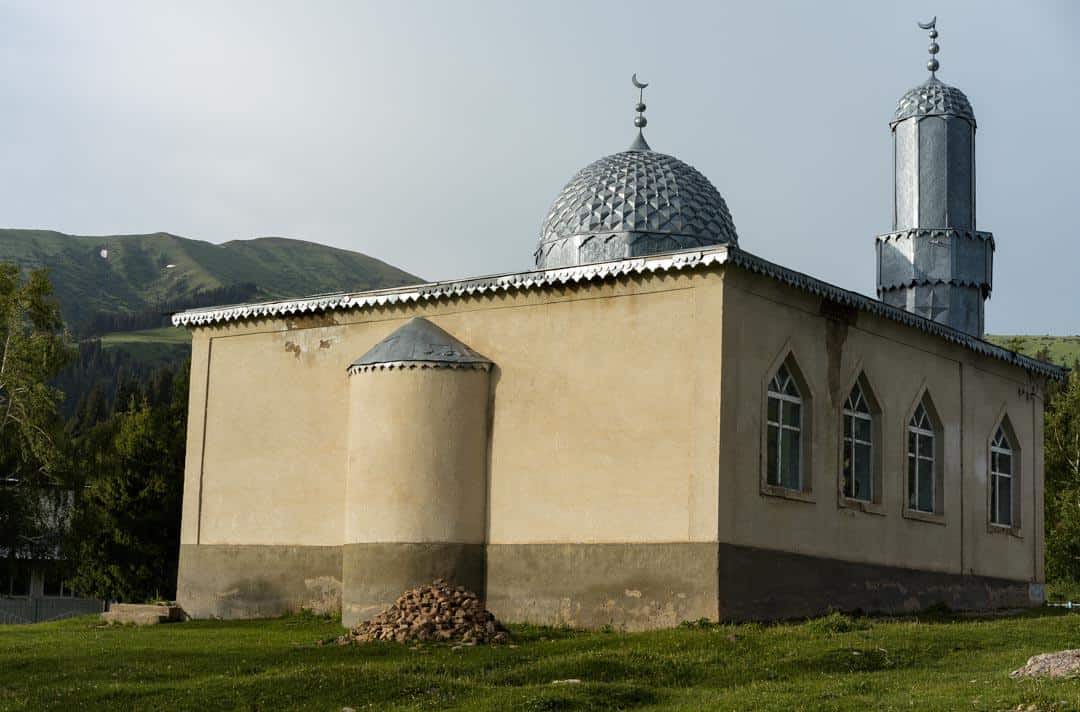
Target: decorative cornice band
[
  {"x": 922, "y": 232},
  {"x": 411, "y": 365},
  {"x": 542, "y": 279}
]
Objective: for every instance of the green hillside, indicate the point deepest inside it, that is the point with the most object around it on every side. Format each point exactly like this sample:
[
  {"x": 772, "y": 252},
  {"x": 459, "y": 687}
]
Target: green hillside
[
  {"x": 1062, "y": 350},
  {"x": 120, "y": 274}
]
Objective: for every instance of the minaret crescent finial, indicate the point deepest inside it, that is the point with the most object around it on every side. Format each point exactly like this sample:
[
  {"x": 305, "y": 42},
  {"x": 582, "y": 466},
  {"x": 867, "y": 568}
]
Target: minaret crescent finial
[
  {"x": 932, "y": 65},
  {"x": 640, "y": 121}
]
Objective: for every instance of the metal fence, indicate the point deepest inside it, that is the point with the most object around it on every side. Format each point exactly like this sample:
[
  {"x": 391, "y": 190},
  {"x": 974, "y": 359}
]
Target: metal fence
[{"x": 37, "y": 610}]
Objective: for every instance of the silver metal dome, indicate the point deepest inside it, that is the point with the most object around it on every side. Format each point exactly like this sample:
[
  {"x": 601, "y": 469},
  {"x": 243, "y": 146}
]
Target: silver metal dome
[
  {"x": 629, "y": 204},
  {"x": 933, "y": 98}
]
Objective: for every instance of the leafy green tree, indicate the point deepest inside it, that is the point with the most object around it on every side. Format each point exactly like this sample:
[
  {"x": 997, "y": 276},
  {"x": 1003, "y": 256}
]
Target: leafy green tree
[
  {"x": 1015, "y": 343},
  {"x": 33, "y": 348},
  {"x": 1062, "y": 442},
  {"x": 126, "y": 537}
]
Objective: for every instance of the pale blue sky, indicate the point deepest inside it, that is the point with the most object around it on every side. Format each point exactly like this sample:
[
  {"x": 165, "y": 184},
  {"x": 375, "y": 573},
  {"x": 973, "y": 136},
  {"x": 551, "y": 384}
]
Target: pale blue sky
[{"x": 435, "y": 135}]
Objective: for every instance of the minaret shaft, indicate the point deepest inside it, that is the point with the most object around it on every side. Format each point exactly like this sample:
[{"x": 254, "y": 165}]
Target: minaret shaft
[{"x": 935, "y": 173}]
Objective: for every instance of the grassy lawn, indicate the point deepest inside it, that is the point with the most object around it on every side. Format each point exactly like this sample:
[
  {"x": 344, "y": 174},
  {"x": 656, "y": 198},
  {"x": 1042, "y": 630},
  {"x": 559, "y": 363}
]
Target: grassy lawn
[{"x": 932, "y": 663}]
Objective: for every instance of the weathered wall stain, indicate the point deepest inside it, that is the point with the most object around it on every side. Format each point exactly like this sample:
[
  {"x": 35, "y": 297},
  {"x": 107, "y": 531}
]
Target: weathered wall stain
[
  {"x": 837, "y": 319},
  {"x": 311, "y": 321}
]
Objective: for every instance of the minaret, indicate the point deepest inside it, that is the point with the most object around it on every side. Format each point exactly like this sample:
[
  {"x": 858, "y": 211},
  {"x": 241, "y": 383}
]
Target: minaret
[{"x": 935, "y": 263}]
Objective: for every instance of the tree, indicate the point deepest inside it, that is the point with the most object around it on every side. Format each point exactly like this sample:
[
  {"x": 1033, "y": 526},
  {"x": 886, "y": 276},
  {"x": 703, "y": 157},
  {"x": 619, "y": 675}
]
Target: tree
[
  {"x": 1015, "y": 343},
  {"x": 125, "y": 541},
  {"x": 33, "y": 348},
  {"x": 1062, "y": 460}
]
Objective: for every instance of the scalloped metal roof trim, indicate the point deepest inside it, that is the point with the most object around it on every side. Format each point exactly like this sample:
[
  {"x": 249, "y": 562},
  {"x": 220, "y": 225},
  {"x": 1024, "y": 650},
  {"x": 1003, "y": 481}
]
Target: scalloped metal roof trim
[
  {"x": 674, "y": 261},
  {"x": 928, "y": 282},
  {"x": 403, "y": 365},
  {"x": 983, "y": 235}
]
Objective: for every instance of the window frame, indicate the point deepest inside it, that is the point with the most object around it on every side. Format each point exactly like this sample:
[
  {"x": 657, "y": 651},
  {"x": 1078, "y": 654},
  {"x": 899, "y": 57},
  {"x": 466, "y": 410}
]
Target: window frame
[
  {"x": 805, "y": 399},
  {"x": 873, "y": 415},
  {"x": 1014, "y": 452},
  {"x": 937, "y": 432}
]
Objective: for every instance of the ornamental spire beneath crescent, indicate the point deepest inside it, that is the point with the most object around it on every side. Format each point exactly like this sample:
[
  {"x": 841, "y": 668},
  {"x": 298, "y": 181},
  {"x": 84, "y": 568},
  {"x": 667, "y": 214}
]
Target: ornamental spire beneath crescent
[
  {"x": 932, "y": 64},
  {"x": 640, "y": 144}
]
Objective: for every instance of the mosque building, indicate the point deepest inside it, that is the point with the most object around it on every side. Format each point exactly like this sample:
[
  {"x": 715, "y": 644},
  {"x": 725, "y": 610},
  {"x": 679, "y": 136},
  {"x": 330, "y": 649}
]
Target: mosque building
[{"x": 652, "y": 425}]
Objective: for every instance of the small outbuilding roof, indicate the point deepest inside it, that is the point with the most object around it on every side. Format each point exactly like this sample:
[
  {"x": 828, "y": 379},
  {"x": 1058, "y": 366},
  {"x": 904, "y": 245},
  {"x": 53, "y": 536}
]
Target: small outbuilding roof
[{"x": 419, "y": 343}]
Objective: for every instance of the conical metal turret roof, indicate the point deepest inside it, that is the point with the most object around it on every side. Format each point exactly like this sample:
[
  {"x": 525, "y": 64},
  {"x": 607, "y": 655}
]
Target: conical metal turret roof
[{"x": 419, "y": 343}]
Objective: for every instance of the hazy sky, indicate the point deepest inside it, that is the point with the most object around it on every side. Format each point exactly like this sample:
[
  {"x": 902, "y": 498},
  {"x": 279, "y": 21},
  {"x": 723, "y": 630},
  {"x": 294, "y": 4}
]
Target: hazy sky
[{"x": 435, "y": 135}]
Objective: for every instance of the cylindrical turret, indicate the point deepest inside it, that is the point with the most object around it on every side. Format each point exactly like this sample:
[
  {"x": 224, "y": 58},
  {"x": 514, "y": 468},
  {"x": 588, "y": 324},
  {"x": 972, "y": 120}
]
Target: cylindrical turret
[
  {"x": 416, "y": 489},
  {"x": 934, "y": 262}
]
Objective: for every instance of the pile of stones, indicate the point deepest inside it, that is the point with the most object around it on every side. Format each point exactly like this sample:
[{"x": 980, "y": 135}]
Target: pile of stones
[
  {"x": 1065, "y": 663},
  {"x": 437, "y": 612}
]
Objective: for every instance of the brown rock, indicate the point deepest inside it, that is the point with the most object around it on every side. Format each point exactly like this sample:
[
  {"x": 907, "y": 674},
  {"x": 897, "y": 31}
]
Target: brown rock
[{"x": 433, "y": 612}]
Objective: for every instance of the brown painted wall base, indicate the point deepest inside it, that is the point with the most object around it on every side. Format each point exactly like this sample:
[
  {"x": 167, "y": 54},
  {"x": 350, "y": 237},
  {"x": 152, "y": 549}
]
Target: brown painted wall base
[
  {"x": 225, "y": 581},
  {"x": 760, "y": 584},
  {"x": 376, "y": 574},
  {"x": 631, "y": 586}
]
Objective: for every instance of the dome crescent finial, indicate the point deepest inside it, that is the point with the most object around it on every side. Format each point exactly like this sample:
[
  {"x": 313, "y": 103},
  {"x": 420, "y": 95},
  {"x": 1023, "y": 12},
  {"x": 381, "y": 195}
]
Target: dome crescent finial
[
  {"x": 933, "y": 64},
  {"x": 640, "y": 121}
]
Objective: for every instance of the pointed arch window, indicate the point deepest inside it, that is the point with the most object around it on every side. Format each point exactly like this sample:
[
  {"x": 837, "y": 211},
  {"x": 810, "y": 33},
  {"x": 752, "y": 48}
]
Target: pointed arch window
[
  {"x": 785, "y": 431},
  {"x": 1001, "y": 479},
  {"x": 858, "y": 455},
  {"x": 922, "y": 461}
]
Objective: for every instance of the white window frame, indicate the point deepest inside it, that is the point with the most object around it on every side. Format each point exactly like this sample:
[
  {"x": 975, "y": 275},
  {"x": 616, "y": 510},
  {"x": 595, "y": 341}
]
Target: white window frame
[
  {"x": 918, "y": 455},
  {"x": 849, "y": 439},
  {"x": 996, "y": 475},
  {"x": 798, "y": 400}
]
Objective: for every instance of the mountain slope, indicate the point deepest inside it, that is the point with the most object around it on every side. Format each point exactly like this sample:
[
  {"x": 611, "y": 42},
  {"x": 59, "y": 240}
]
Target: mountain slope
[
  {"x": 1062, "y": 350},
  {"x": 125, "y": 274}
]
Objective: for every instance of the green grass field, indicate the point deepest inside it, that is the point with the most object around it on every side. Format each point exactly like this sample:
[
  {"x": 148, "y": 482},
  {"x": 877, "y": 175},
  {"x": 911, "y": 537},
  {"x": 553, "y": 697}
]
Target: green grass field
[
  {"x": 154, "y": 347},
  {"x": 1064, "y": 350},
  {"x": 163, "y": 335},
  {"x": 834, "y": 663}
]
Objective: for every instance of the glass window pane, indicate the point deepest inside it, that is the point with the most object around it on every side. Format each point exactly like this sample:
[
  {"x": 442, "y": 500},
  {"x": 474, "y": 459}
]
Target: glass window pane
[
  {"x": 774, "y": 410},
  {"x": 1004, "y": 464},
  {"x": 772, "y": 466},
  {"x": 926, "y": 446},
  {"x": 862, "y": 472},
  {"x": 911, "y": 443},
  {"x": 792, "y": 413},
  {"x": 911, "y": 480},
  {"x": 20, "y": 586},
  {"x": 791, "y": 389},
  {"x": 1004, "y": 500},
  {"x": 51, "y": 584},
  {"x": 926, "y": 486},
  {"x": 847, "y": 426},
  {"x": 849, "y": 481},
  {"x": 862, "y": 429},
  {"x": 789, "y": 458}
]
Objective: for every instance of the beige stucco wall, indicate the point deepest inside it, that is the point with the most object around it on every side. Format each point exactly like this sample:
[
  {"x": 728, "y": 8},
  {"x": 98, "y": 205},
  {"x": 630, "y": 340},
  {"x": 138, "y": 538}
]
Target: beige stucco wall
[
  {"x": 624, "y": 412},
  {"x": 417, "y": 464},
  {"x": 604, "y": 427},
  {"x": 768, "y": 320}
]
